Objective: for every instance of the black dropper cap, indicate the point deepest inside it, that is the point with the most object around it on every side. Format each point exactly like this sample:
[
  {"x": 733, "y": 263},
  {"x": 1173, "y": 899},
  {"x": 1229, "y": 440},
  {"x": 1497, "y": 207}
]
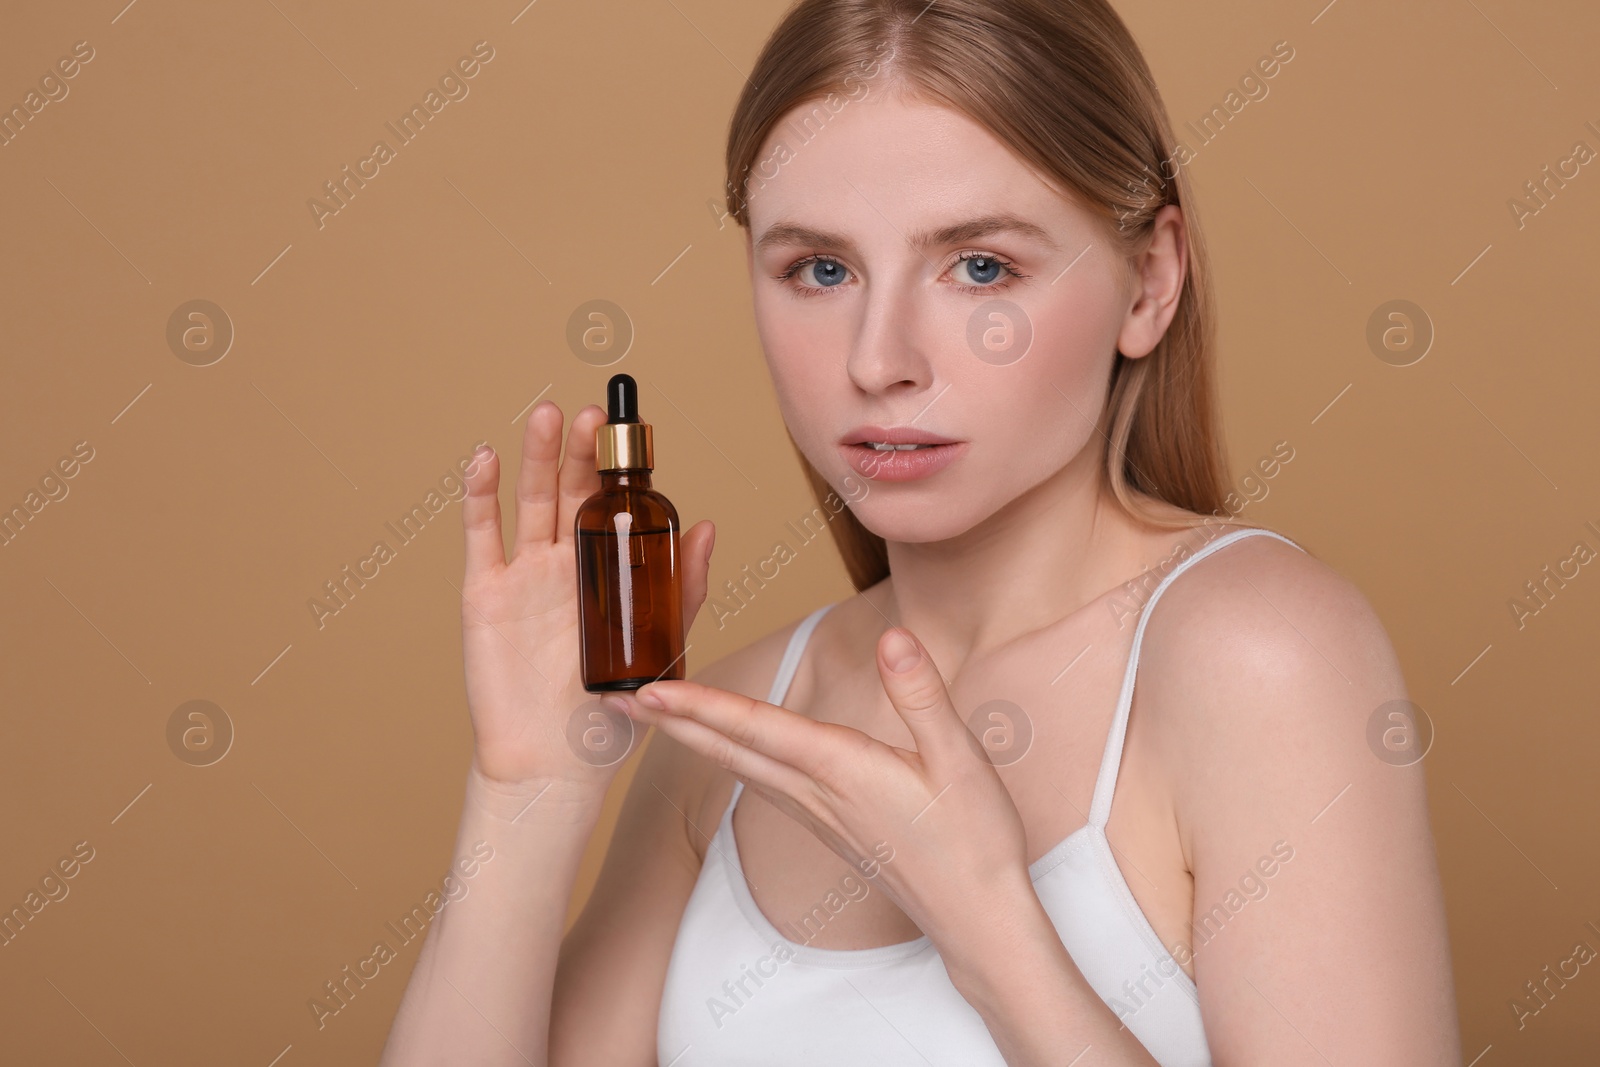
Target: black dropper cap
[{"x": 622, "y": 398}]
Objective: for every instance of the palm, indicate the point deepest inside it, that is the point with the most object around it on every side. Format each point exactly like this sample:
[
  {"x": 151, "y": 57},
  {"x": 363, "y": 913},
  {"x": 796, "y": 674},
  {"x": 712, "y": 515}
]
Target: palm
[
  {"x": 519, "y": 617},
  {"x": 519, "y": 631}
]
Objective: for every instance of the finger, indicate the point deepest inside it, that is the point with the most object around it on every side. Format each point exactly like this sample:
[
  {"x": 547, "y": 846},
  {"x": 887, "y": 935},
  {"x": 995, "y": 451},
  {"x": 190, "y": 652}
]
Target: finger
[
  {"x": 696, "y": 546},
  {"x": 536, "y": 480},
  {"x": 578, "y": 480},
  {"x": 786, "y": 736},
  {"x": 917, "y": 691},
  {"x": 480, "y": 513},
  {"x": 744, "y": 762}
]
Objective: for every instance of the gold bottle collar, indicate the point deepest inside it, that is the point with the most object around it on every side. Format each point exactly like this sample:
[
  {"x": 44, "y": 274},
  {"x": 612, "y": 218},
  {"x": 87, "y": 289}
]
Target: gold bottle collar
[{"x": 623, "y": 446}]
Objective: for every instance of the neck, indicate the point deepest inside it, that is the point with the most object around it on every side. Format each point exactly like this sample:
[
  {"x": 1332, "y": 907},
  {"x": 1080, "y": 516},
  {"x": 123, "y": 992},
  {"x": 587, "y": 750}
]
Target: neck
[{"x": 1053, "y": 550}]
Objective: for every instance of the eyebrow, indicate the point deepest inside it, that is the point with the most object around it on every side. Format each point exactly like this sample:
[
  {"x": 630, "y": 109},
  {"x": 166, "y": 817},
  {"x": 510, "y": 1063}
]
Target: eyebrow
[{"x": 791, "y": 233}]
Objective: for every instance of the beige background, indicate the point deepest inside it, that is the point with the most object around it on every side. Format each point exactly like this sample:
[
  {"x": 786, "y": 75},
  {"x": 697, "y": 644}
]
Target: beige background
[{"x": 370, "y": 353}]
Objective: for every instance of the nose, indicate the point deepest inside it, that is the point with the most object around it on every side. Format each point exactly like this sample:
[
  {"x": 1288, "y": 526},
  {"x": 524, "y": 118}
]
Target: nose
[{"x": 888, "y": 354}]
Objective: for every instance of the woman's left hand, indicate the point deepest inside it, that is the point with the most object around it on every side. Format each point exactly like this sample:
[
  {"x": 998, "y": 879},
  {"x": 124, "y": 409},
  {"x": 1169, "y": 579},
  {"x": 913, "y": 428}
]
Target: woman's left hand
[{"x": 957, "y": 839}]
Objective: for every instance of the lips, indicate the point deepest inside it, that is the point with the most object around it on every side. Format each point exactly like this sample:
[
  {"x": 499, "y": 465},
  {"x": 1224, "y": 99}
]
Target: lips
[
  {"x": 895, "y": 435},
  {"x": 898, "y": 453}
]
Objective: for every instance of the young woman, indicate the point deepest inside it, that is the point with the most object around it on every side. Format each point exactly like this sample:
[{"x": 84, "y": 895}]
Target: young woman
[{"x": 935, "y": 823}]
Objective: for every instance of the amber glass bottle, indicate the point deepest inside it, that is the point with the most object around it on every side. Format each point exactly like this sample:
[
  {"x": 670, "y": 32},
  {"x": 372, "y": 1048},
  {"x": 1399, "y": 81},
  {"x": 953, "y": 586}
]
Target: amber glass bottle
[{"x": 630, "y": 590}]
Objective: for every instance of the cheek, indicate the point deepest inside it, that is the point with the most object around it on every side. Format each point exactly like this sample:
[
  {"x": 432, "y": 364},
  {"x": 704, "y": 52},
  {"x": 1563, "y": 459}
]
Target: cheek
[
  {"x": 1053, "y": 396},
  {"x": 805, "y": 356}
]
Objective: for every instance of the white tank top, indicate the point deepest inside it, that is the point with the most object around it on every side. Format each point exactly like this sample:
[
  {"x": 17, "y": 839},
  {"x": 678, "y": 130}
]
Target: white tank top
[{"x": 740, "y": 991}]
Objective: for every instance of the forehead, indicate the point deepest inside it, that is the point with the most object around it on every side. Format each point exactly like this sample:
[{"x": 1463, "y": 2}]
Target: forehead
[{"x": 896, "y": 161}]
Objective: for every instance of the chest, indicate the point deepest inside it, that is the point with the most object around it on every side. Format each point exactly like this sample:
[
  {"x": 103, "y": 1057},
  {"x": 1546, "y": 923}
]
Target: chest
[{"x": 1043, "y": 711}]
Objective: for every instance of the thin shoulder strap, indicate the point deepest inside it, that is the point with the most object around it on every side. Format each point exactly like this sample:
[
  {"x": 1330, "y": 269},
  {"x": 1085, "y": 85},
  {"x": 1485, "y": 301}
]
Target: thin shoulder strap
[
  {"x": 791, "y": 655},
  {"x": 1105, "y": 784},
  {"x": 780, "y": 689}
]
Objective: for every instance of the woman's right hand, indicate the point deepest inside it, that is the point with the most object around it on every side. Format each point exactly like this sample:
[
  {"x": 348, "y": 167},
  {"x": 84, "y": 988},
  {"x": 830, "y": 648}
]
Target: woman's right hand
[{"x": 519, "y": 618}]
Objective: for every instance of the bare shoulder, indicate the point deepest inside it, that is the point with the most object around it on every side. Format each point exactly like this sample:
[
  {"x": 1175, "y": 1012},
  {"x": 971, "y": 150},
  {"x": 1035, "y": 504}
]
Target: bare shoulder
[
  {"x": 1261, "y": 596},
  {"x": 1263, "y": 650},
  {"x": 1261, "y": 672}
]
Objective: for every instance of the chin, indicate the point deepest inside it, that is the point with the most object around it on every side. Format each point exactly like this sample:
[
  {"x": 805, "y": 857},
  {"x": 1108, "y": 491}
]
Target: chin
[{"x": 921, "y": 523}]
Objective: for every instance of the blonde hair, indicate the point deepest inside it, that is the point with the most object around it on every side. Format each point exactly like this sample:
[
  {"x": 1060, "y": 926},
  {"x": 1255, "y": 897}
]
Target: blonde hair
[{"x": 1064, "y": 85}]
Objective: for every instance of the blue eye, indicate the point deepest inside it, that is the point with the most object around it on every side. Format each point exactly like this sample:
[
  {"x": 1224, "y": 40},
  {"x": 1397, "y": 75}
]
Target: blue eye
[
  {"x": 982, "y": 269},
  {"x": 826, "y": 273}
]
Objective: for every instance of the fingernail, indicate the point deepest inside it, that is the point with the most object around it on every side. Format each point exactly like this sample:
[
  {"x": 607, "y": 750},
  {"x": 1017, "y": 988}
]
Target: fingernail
[
  {"x": 710, "y": 541},
  {"x": 901, "y": 652},
  {"x": 649, "y": 698}
]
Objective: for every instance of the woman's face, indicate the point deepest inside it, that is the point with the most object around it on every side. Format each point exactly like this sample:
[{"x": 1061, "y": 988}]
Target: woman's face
[{"x": 872, "y": 330}]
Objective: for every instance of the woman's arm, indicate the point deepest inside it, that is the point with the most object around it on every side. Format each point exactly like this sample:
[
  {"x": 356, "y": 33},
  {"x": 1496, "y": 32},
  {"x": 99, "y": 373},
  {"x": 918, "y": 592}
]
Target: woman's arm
[
  {"x": 481, "y": 989},
  {"x": 1266, "y": 669},
  {"x": 614, "y": 961},
  {"x": 487, "y": 978}
]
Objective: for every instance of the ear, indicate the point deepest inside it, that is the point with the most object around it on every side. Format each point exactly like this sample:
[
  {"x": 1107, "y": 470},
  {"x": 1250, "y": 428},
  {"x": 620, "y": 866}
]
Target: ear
[{"x": 1156, "y": 279}]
